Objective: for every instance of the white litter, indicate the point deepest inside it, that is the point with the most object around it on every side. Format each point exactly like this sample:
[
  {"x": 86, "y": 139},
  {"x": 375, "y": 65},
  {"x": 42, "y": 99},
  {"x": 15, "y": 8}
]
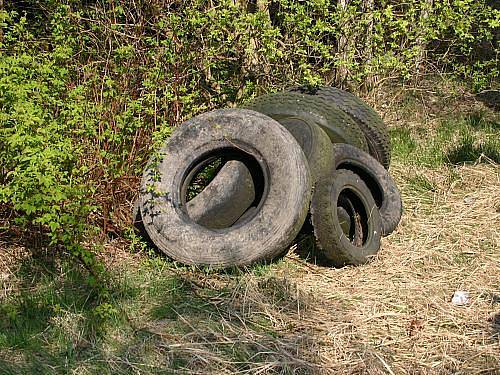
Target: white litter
[
  {"x": 460, "y": 298},
  {"x": 469, "y": 200}
]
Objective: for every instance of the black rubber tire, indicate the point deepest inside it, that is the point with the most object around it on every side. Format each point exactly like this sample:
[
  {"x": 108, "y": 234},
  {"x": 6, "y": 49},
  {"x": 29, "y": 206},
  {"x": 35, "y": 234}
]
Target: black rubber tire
[
  {"x": 287, "y": 106},
  {"x": 378, "y": 180},
  {"x": 284, "y": 193},
  {"x": 230, "y": 193},
  {"x": 369, "y": 121},
  {"x": 332, "y": 242}
]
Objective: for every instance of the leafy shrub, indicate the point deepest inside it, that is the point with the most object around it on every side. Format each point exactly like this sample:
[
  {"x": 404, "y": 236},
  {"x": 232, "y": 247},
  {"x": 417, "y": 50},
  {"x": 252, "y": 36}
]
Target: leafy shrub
[{"x": 42, "y": 178}]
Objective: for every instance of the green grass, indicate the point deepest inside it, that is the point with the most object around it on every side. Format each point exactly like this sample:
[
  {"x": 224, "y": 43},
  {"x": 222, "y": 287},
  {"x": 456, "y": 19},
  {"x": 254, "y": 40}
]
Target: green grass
[
  {"x": 420, "y": 184},
  {"x": 456, "y": 140},
  {"x": 56, "y": 322}
]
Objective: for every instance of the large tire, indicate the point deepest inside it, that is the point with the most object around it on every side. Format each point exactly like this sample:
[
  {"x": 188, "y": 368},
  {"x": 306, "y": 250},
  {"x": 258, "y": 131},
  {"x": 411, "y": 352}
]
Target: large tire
[
  {"x": 334, "y": 244},
  {"x": 377, "y": 178},
  {"x": 293, "y": 106},
  {"x": 229, "y": 194},
  {"x": 370, "y": 123},
  {"x": 280, "y": 173}
]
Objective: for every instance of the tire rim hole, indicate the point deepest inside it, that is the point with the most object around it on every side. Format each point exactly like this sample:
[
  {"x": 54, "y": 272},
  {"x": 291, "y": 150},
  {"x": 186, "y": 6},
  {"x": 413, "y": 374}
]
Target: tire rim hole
[
  {"x": 358, "y": 233},
  {"x": 204, "y": 177},
  {"x": 205, "y": 169},
  {"x": 346, "y": 217},
  {"x": 368, "y": 179}
]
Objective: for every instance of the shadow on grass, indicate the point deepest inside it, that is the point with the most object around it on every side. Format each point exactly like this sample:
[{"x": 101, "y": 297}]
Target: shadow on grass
[
  {"x": 154, "y": 317},
  {"x": 468, "y": 152},
  {"x": 51, "y": 318},
  {"x": 490, "y": 98},
  {"x": 479, "y": 121},
  {"x": 306, "y": 248}
]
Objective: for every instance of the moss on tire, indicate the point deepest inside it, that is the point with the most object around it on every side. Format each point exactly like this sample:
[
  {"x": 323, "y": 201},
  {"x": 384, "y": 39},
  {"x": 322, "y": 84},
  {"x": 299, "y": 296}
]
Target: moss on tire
[
  {"x": 370, "y": 123},
  {"x": 339, "y": 126}
]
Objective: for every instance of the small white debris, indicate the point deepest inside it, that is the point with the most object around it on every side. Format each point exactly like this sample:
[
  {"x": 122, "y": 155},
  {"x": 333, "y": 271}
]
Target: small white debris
[
  {"x": 469, "y": 200},
  {"x": 460, "y": 298}
]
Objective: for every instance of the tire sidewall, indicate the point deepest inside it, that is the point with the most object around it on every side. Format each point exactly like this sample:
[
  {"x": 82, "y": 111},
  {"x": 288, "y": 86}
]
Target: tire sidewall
[{"x": 276, "y": 221}]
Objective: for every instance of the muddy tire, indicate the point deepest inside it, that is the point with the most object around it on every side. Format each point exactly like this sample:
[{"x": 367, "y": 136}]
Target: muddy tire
[
  {"x": 227, "y": 198},
  {"x": 334, "y": 245},
  {"x": 229, "y": 194},
  {"x": 377, "y": 179},
  {"x": 280, "y": 174},
  {"x": 370, "y": 123}
]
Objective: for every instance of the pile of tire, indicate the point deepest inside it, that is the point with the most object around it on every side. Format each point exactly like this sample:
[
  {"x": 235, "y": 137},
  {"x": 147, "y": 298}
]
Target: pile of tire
[{"x": 284, "y": 162}]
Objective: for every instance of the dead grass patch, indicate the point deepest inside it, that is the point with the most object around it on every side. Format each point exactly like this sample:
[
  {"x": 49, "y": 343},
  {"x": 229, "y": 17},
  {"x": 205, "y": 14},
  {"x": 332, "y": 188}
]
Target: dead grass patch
[{"x": 398, "y": 316}]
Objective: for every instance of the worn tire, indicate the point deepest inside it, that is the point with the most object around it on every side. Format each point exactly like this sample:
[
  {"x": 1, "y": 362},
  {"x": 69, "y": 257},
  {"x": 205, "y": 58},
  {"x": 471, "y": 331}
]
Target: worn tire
[
  {"x": 228, "y": 196},
  {"x": 377, "y": 178},
  {"x": 294, "y": 106},
  {"x": 279, "y": 170},
  {"x": 370, "y": 123},
  {"x": 334, "y": 245}
]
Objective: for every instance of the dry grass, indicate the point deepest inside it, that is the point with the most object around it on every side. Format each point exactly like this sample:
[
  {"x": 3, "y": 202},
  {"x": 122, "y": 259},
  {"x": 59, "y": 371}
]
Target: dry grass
[
  {"x": 398, "y": 316},
  {"x": 392, "y": 316}
]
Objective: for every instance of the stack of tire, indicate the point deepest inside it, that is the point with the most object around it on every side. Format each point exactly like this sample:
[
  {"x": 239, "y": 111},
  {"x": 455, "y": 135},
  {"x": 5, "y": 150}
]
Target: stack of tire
[{"x": 319, "y": 156}]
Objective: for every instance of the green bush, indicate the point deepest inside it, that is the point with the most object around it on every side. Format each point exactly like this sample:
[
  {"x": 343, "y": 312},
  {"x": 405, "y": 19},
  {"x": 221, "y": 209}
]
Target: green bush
[{"x": 41, "y": 117}]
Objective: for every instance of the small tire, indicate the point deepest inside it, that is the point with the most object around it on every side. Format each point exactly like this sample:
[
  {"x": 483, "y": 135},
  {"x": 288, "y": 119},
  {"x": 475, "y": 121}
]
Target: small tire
[
  {"x": 280, "y": 173},
  {"x": 369, "y": 121},
  {"x": 377, "y": 178},
  {"x": 334, "y": 245}
]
